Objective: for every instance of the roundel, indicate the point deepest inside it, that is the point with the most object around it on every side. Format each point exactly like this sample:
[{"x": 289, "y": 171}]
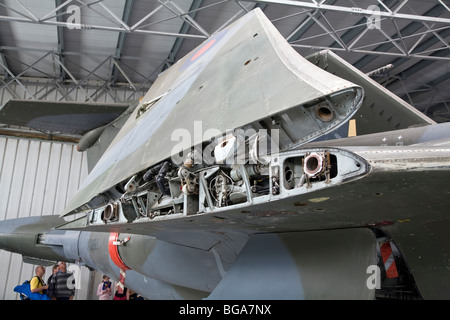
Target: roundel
[
  {"x": 203, "y": 49},
  {"x": 114, "y": 251}
]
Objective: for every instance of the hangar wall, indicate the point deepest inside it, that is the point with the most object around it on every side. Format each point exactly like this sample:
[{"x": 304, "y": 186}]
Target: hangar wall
[
  {"x": 39, "y": 178},
  {"x": 36, "y": 178}
]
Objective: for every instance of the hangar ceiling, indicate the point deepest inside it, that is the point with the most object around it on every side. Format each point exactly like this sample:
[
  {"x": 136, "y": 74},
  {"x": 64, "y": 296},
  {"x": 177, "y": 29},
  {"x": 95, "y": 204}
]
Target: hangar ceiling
[{"x": 127, "y": 43}]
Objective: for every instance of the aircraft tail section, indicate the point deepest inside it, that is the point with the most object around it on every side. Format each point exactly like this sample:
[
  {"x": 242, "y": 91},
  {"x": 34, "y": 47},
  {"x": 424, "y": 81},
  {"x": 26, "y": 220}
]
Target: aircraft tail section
[
  {"x": 74, "y": 118},
  {"x": 83, "y": 123}
]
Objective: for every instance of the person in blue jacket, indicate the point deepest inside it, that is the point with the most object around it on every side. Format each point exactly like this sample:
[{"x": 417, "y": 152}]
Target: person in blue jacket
[
  {"x": 35, "y": 288},
  {"x": 36, "y": 283}
]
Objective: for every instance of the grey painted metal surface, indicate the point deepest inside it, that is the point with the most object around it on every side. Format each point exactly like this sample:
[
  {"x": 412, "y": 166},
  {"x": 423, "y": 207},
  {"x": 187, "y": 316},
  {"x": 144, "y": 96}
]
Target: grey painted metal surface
[{"x": 300, "y": 265}]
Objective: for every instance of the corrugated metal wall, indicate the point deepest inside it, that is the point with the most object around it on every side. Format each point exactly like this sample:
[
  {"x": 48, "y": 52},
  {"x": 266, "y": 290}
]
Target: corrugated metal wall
[
  {"x": 39, "y": 178},
  {"x": 36, "y": 178}
]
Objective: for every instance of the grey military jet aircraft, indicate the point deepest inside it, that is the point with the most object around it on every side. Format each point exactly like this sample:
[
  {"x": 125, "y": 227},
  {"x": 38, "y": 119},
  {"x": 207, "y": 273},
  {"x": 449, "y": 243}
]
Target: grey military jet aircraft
[{"x": 223, "y": 181}]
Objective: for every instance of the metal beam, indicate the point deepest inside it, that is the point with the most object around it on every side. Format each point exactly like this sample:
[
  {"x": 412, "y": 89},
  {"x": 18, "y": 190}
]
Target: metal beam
[
  {"x": 185, "y": 17},
  {"x": 304, "y": 26},
  {"x": 99, "y": 27},
  {"x": 416, "y": 68},
  {"x": 60, "y": 35},
  {"x": 27, "y": 17},
  {"x": 4, "y": 63},
  {"x": 79, "y": 83},
  {"x": 120, "y": 43},
  {"x": 184, "y": 30},
  {"x": 16, "y": 77},
  {"x": 410, "y": 29},
  {"x": 355, "y": 10},
  {"x": 358, "y": 30}
]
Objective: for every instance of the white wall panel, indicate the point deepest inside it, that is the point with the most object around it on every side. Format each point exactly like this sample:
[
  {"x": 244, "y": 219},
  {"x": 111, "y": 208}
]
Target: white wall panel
[
  {"x": 36, "y": 178},
  {"x": 26, "y": 203}
]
